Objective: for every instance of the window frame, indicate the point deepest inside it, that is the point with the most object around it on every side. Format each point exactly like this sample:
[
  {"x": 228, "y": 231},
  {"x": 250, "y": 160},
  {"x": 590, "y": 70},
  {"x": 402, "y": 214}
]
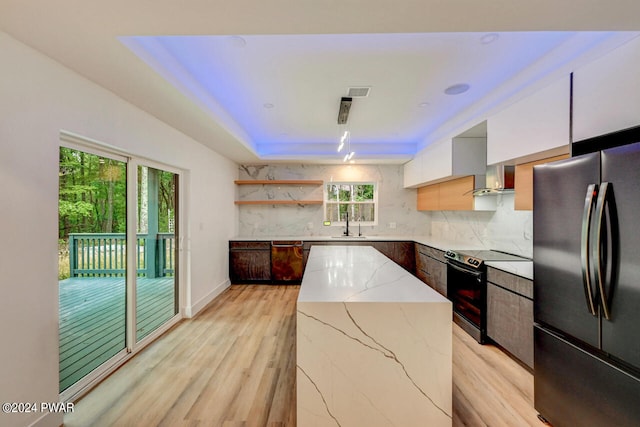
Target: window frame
[{"x": 326, "y": 202}]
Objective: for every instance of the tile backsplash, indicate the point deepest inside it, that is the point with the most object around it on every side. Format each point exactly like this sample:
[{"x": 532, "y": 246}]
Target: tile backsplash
[{"x": 504, "y": 229}]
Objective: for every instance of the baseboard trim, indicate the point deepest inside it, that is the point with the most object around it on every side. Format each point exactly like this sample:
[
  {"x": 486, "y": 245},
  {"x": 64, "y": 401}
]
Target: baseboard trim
[
  {"x": 49, "y": 419},
  {"x": 194, "y": 309}
]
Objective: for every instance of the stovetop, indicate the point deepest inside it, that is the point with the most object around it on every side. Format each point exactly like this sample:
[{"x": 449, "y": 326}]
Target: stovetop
[{"x": 476, "y": 258}]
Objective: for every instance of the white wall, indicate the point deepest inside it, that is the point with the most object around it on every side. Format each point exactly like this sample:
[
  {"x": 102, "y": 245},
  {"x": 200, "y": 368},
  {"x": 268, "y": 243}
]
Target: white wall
[{"x": 38, "y": 99}]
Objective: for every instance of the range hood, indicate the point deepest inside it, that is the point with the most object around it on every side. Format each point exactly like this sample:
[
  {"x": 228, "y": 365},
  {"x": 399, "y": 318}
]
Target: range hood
[{"x": 498, "y": 179}]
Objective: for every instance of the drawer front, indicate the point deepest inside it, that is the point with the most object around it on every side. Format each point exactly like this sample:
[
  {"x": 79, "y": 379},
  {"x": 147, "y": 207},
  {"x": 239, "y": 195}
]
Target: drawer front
[
  {"x": 432, "y": 252},
  {"x": 432, "y": 272},
  {"x": 514, "y": 283},
  {"x": 240, "y": 245}
]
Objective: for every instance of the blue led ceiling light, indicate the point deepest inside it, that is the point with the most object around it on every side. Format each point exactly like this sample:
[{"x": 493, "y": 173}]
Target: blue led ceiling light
[{"x": 235, "y": 80}]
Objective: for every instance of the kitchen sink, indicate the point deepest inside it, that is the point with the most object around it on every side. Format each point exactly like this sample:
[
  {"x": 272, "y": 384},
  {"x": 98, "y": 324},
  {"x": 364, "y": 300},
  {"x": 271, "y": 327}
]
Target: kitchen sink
[{"x": 348, "y": 237}]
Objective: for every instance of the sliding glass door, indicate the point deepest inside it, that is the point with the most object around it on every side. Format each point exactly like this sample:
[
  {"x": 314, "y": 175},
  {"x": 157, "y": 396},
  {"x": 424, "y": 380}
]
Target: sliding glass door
[
  {"x": 156, "y": 296},
  {"x": 92, "y": 269},
  {"x": 118, "y": 269}
]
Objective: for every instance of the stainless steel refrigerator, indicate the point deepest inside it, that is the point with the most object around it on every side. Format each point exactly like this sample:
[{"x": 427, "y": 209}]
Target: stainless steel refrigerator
[{"x": 586, "y": 254}]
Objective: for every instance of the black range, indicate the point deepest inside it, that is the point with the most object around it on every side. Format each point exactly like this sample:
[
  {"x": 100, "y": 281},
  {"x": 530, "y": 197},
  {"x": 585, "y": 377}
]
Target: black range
[{"x": 467, "y": 287}]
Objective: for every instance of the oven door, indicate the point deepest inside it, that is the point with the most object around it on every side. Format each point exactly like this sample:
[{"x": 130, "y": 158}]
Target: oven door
[{"x": 466, "y": 289}]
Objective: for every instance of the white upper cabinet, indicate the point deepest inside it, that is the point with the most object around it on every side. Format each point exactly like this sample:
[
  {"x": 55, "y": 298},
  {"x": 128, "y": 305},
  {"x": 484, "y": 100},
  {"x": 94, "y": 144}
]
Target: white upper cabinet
[
  {"x": 455, "y": 157},
  {"x": 606, "y": 93},
  {"x": 412, "y": 171},
  {"x": 534, "y": 127}
]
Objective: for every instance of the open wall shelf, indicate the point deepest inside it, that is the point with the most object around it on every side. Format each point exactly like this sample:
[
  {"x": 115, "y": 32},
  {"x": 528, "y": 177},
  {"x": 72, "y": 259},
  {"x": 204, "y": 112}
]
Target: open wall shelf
[
  {"x": 279, "y": 182},
  {"x": 278, "y": 202},
  {"x": 293, "y": 182}
]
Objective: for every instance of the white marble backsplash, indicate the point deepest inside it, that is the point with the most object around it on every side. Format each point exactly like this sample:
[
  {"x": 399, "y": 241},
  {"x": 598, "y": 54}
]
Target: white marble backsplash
[
  {"x": 395, "y": 203},
  {"x": 505, "y": 229}
]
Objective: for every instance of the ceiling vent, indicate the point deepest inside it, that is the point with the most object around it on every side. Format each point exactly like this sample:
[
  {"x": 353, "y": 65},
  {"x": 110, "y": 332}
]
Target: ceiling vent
[
  {"x": 358, "y": 92},
  {"x": 343, "y": 113}
]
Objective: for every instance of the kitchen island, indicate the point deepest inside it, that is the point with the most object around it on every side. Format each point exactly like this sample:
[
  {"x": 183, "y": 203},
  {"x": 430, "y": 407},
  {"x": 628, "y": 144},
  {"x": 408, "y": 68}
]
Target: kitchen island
[{"x": 373, "y": 343}]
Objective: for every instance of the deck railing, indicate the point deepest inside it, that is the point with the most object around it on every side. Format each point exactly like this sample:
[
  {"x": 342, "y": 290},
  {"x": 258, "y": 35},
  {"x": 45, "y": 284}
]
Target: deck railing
[{"x": 105, "y": 254}]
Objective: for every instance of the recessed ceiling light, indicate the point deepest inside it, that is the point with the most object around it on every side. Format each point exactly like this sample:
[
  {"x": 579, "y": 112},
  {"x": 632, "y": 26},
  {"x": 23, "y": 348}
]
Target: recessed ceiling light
[
  {"x": 457, "y": 89},
  {"x": 267, "y": 105},
  {"x": 489, "y": 38}
]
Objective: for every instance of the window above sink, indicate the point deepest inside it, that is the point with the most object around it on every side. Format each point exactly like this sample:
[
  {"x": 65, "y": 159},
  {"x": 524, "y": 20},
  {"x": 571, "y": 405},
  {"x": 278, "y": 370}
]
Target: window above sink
[{"x": 357, "y": 199}]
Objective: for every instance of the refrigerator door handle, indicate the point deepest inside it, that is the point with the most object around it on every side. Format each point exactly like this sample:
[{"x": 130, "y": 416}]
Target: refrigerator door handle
[
  {"x": 585, "y": 245},
  {"x": 602, "y": 199}
]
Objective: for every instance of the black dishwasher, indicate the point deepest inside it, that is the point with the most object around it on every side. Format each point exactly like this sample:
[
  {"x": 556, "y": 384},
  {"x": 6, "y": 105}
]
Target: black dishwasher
[{"x": 286, "y": 261}]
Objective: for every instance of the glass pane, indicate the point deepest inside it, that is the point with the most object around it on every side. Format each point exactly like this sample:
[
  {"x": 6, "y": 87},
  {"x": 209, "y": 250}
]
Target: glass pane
[
  {"x": 332, "y": 192},
  {"x": 344, "y": 193},
  {"x": 92, "y": 207},
  {"x": 355, "y": 214},
  {"x": 363, "y": 192},
  {"x": 344, "y": 208},
  {"x": 156, "y": 296},
  {"x": 332, "y": 212},
  {"x": 366, "y": 211}
]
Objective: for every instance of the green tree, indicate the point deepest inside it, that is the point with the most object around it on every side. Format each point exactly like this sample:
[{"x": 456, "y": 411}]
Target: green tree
[{"x": 91, "y": 196}]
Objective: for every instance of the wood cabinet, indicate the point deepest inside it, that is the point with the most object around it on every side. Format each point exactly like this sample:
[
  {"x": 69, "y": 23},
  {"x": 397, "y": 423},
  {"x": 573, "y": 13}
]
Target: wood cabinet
[
  {"x": 431, "y": 267},
  {"x": 429, "y": 198},
  {"x": 249, "y": 262},
  {"x": 280, "y": 182},
  {"x": 400, "y": 252},
  {"x": 510, "y": 313},
  {"x": 457, "y": 194},
  {"x": 533, "y": 127},
  {"x": 454, "y": 195},
  {"x": 605, "y": 93},
  {"x": 447, "y": 196},
  {"x": 523, "y": 187}
]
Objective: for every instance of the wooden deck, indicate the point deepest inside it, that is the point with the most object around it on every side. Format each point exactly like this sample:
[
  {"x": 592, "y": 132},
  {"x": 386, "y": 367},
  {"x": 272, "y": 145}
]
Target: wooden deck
[{"x": 92, "y": 319}]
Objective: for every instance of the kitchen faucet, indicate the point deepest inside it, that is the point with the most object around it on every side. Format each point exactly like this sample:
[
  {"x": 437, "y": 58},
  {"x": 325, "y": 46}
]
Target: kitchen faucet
[{"x": 346, "y": 231}]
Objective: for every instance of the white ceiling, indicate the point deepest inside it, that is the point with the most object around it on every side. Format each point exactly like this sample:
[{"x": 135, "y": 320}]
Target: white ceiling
[{"x": 210, "y": 68}]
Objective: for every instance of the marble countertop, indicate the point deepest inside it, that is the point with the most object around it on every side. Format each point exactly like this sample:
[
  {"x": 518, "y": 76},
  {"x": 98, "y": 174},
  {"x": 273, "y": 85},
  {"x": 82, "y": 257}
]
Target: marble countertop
[
  {"x": 519, "y": 268},
  {"x": 438, "y": 243},
  {"x": 360, "y": 274}
]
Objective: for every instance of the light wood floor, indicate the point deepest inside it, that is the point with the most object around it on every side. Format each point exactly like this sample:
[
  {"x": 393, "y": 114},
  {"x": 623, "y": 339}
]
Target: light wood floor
[{"x": 234, "y": 365}]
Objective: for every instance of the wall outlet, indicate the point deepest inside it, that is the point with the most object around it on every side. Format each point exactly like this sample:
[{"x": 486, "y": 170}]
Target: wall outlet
[
  {"x": 392, "y": 225},
  {"x": 309, "y": 225}
]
